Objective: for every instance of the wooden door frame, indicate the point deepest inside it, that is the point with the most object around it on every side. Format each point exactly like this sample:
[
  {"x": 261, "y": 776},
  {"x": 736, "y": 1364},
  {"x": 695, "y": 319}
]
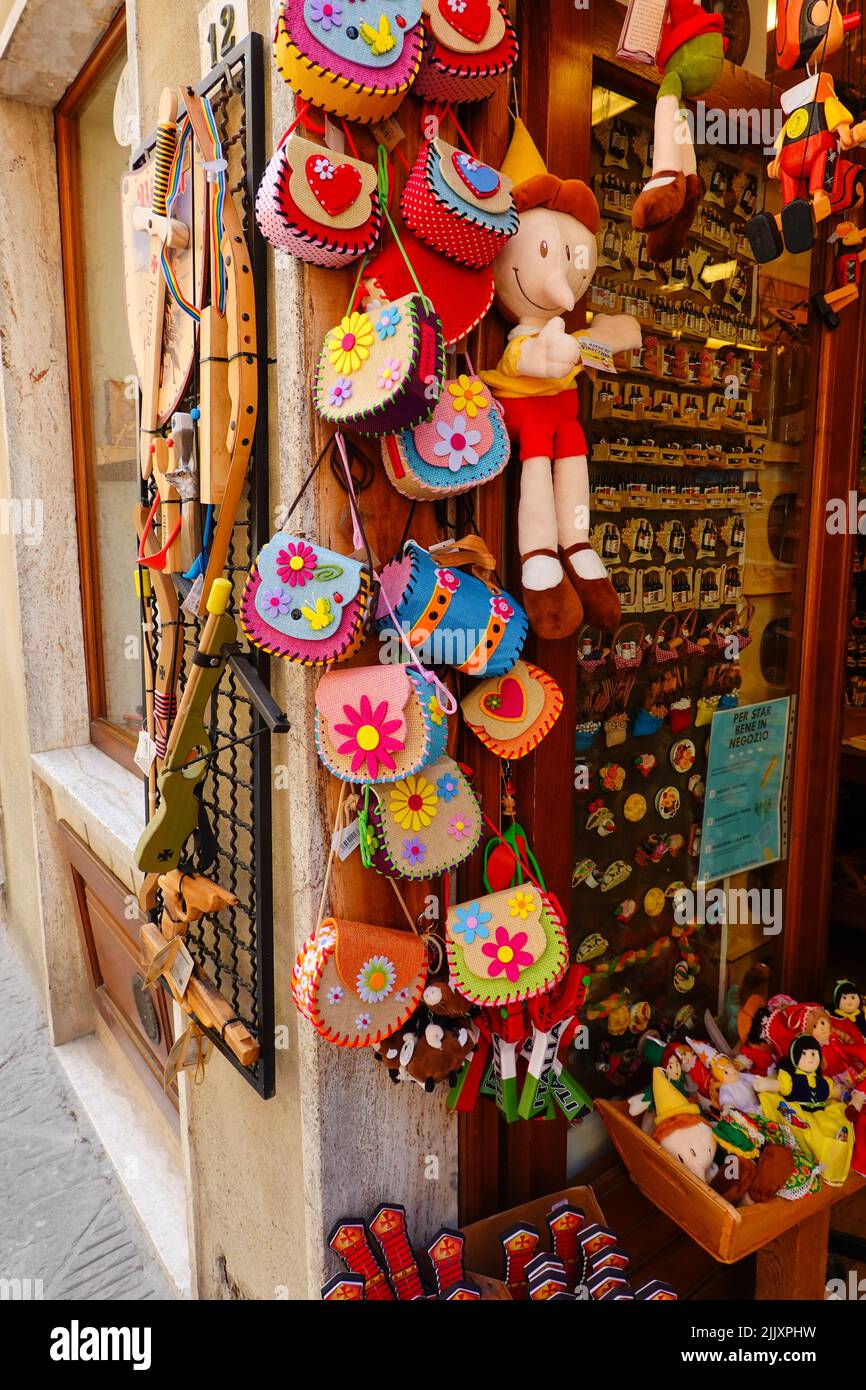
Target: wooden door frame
[
  {"x": 501, "y": 1165},
  {"x": 114, "y": 741}
]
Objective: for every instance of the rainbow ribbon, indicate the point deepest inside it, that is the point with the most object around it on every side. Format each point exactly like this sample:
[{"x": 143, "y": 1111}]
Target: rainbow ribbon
[{"x": 216, "y": 169}]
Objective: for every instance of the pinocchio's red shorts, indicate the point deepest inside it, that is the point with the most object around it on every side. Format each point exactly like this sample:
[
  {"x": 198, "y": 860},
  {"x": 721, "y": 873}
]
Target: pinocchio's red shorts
[{"x": 546, "y": 426}]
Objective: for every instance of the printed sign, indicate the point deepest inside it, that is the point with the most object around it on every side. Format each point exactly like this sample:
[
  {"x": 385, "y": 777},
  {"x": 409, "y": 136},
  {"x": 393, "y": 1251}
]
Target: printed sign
[{"x": 743, "y": 824}]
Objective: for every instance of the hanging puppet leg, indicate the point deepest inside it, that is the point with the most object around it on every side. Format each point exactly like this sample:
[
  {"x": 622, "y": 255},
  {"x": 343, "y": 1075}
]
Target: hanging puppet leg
[
  {"x": 583, "y": 566},
  {"x": 663, "y": 195},
  {"x": 663, "y": 243},
  {"x": 553, "y": 606}
]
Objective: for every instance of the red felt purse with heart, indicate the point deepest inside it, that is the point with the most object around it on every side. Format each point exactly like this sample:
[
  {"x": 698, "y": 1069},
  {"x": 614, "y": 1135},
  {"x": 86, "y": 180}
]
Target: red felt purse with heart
[
  {"x": 468, "y": 44},
  {"x": 319, "y": 206},
  {"x": 512, "y": 713}
]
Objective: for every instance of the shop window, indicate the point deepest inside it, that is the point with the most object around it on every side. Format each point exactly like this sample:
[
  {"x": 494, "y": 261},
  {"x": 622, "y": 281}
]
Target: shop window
[
  {"x": 102, "y": 390},
  {"x": 775, "y": 651},
  {"x": 782, "y": 527}
]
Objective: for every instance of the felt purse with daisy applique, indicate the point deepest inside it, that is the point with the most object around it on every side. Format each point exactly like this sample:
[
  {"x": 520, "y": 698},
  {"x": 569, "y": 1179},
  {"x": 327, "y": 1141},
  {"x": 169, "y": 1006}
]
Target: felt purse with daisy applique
[
  {"x": 378, "y": 723},
  {"x": 468, "y": 44},
  {"x": 463, "y": 444},
  {"x": 353, "y": 60},
  {"x": 506, "y": 947},
  {"x": 319, "y": 206},
  {"x": 382, "y": 369},
  {"x": 305, "y": 602},
  {"x": 425, "y": 824},
  {"x": 357, "y": 983}
]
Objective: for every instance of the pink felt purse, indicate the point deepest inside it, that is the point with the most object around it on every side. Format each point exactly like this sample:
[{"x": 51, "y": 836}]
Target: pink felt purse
[
  {"x": 464, "y": 444},
  {"x": 319, "y": 206}
]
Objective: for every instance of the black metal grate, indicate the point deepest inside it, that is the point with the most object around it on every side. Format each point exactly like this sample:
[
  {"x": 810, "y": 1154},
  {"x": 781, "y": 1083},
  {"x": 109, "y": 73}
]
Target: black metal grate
[{"x": 235, "y": 948}]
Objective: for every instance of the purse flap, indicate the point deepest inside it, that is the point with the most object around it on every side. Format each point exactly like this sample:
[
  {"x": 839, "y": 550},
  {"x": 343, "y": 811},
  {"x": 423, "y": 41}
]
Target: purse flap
[
  {"x": 431, "y": 820},
  {"x": 376, "y": 962},
  {"x": 460, "y": 431},
  {"x": 507, "y": 706},
  {"x": 375, "y": 40},
  {"x": 367, "y": 358},
  {"x": 380, "y": 693},
  {"x": 305, "y": 588},
  {"x": 472, "y": 27},
  {"x": 332, "y": 189},
  {"x": 473, "y": 183},
  {"x": 506, "y": 946}
]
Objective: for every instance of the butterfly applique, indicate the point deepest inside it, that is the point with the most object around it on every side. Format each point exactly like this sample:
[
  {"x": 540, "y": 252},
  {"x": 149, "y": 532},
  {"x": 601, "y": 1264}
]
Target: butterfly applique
[
  {"x": 379, "y": 40},
  {"x": 319, "y": 617}
]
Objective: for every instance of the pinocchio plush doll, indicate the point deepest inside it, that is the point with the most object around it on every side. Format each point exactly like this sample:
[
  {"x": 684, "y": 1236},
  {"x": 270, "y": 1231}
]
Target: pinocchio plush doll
[
  {"x": 815, "y": 180},
  {"x": 540, "y": 275},
  {"x": 690, "y": 57}
]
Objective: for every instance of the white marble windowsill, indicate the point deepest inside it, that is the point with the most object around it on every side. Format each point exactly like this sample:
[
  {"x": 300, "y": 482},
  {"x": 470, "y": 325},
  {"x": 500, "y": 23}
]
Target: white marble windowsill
[{"x": 102, "y": 801}]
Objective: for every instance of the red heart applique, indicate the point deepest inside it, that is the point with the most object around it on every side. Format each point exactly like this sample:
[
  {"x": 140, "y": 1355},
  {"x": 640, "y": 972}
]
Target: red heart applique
[
  {"x": 335, "y": 186},
  {"x": 471, "y": 18},
  {"x": 507, "y": 701}
]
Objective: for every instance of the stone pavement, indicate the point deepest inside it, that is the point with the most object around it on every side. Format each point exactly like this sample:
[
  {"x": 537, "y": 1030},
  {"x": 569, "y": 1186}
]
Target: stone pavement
[{"x": 64, "y": 1218}]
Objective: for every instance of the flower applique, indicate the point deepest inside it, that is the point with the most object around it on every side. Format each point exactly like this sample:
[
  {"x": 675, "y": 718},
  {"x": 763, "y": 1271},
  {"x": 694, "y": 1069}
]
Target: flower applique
[
  {"x": 376, "y": 979},
  {"x": 457, "y": 442},
  {"x": 391, "y": 374},
  {"x": 363, "y": 1022},
  {"x": 323, "y": 168},
  {"x": 413, "y": 802},
  {"x": 457, "y": 6},
  {"x": 401, "y": 996},
  {"x": 387, "y": 322},
  {"x": 328, "y": 13},
  {"x": 469, "y": 397},
  {"x": 335, "y": 994},
  {"x": 414, "y": 850},
  {"x": 340, "y": 391},
  {"x": 501, "y": 607},
  {"x": 275, "y": 600},
  {"x": 447, "y": 786},
  {"x": 436, "y": 712},
  {"x": 471, "y": 922},
  {"x": 370, "y": 737},
  {"x": 350, "y": 342},
  {"x": 319, "y": 617},
  {"x": 296, "y": 565},
  {"x": 447, "y": 579},
  {"x": 506, "y": 954},
  {"x": 458, "y": 828},
  {"x": 521, "y": 904}
]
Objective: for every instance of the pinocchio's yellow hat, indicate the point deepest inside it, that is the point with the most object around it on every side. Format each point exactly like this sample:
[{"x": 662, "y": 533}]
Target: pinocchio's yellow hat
[
  {"x": 668, "y": 1101},
  {"x": 534, "y": 187}
]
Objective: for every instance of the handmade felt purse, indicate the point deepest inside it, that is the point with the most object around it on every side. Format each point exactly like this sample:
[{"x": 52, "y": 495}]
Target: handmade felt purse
[
  {"x": 458, "y": 205},
  {"x": 319, "y": 206},
  {"x": 382, "y": 371},
  {"x": 511, "y": 714},
  {"x": 425, "y": 824},
  {"x": 358, "y": 983},
  {"x": 354, "y": 60},
  {"x": 506, "y": 946},
  {"x": 467, "y": 46},
  {"x": 307, "y": 603},
  {"x": 378, "y": 723},
  {"x": 463, "y": 444},
  {"x": 451, "y": 618},
  {"x": 461, "y": 296}
]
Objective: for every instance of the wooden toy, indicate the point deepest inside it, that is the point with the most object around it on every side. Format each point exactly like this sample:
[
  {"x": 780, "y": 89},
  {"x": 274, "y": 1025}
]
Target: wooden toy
[
  {"x": 389, "y": 1229},
  {"x": 350, "y": 1239},
  {"x": 519, "y": 1244},
  {"x": 446, "y": 1256}
]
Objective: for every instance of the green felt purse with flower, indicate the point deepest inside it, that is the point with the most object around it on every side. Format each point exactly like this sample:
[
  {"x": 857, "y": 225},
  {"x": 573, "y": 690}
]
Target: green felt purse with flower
[
  {"x": 507, "y": 946},
  {"x": 425, "y": 824}
]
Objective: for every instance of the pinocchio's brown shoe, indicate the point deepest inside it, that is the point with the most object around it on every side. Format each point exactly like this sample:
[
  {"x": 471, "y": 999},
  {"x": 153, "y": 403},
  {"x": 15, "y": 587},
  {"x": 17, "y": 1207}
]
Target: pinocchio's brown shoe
[
  {"x": 553, "y": 613},
  {"x": 598, "y": 599},
  {"x": 656, "y": 207}
]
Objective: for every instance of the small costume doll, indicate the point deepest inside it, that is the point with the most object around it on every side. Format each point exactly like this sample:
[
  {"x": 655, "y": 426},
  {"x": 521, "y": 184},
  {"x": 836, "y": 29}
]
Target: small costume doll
[
  {"x": 848, "y": 1005},
  {"x": 690, "y": 57},
  {"x": 808, "y": 1102},
  {"x": 731, "y": 1086},
  {"x": 843, "y": 1049},
  {"x": 671, "y": 1058},
  {"x": 540, "y": 275},
  {"x": 681, "y": 1130},
  {"x": 815, "y": 180}
]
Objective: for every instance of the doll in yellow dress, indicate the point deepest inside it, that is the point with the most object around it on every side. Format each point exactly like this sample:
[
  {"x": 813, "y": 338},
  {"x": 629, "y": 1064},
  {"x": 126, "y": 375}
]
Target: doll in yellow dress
[{"x": 809, "y": 1104}]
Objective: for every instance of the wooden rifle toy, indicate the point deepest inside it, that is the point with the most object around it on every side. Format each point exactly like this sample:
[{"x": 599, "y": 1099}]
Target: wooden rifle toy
[
  {"x": 229, "y": 372},
  {"x": 189, "y": 747},
  {"x": 165, "y": 232}
]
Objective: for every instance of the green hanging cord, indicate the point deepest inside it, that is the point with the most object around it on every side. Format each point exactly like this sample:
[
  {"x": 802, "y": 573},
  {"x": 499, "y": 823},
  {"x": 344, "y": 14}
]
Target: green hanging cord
[
  {"x": 357, "y": 284},
  {"x": 363, "y": 826},
  {"x": 384, "y": 191}
]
